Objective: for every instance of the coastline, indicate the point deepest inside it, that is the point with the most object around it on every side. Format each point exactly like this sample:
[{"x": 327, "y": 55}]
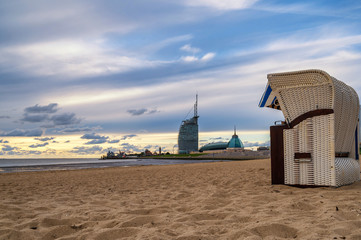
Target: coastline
[
  {"x": 29, "y": 165},
  {"x": 219, "y": 200}
]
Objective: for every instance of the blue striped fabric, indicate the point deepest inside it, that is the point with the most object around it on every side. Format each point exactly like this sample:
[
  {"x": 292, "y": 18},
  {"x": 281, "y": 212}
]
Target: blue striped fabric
[{"x": 265, "y": 97}]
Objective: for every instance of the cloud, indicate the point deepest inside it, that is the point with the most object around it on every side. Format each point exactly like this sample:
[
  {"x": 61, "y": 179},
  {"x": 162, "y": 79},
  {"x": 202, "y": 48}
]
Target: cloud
[
  {"x": 152, "y": 111},
  {"x": 130, "y": 148},
  {"x": 34, "y": 152},
  {"x": 8, "y": 148},
  {"x": 75, "y": 58},
  {"x": 86, "y": 150},
  {"x": 22, "y": 132},
  {"x": 39, "y": 40},
  {"x": 319, "y": 42},
  {"x": 128, "y": 136},
  {"x": 216, "y": 138},
  {"x": 96, "y": 141},
  {"x": 38, "y": 114},
  {"x": 300, "y": 8},
  {"x": 39, "y": 145},
  {"x": 189, "y": 58},
  {"x": 65, "y": 119},
  {"x": 223, "y": 5},
  {"x": 81, "y": 129},
  {"x": 189, "y": 48},
  {"x": 94, "y": 136},
  {"x": 137, "y": 112},
  {"x": 50, "y": 108},
  {"x": 256, "y": 144},
  {"x": 44, "y": 139},
  {"x": 113, "y": 141},
  {"x": 34, "y": 118},
  {"x": 166, "y": 43},
  {"x": 208, "y": 56},
  {"x": 4, "y": 117}
]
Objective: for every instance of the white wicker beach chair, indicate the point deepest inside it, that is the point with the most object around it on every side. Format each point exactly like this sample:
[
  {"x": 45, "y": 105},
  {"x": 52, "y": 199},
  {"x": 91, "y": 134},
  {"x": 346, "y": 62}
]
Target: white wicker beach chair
[{"x": 318, "y": 144}]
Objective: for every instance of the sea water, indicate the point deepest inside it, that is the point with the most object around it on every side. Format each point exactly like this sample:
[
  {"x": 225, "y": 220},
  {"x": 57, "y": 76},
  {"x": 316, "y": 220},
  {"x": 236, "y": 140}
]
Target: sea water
[{"x": 45, "y": 164}]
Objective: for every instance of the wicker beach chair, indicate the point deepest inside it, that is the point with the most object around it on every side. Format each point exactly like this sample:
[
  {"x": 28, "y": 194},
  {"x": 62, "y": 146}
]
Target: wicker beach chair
[{"x": 318, "y": 143}]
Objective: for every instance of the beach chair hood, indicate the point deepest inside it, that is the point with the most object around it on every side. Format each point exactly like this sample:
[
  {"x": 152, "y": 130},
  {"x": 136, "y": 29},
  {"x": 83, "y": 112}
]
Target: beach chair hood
[{"x": 269, "y": 99}]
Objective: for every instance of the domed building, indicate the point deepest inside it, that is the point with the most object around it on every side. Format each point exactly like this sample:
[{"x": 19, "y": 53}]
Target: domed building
[
  {"x": 234, "y": 143},
  {"x": 214, "y": 146}
]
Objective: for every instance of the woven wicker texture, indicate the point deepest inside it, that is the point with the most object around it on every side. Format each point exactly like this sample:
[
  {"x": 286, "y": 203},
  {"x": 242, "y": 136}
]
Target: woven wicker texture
[
  {"x": 347, "y": 171},
  {"x": 346, "y": 109},
  {"x": 315, "y": 136},
  {"x": 322, "y": 136}
]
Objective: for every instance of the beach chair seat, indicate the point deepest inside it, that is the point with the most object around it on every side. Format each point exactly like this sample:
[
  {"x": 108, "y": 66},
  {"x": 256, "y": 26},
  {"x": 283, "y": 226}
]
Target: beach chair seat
[{"x": 318, "y": 144}]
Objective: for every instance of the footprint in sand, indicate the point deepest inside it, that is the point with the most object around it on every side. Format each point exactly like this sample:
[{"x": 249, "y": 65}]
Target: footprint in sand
[
  {"x": 59, "y": 231},
  {"x": 50, "y": 222},
  {"x": 302, "y": 205},
  {"x": 139, "y": 221},
  {"x": 347, "y": 227},
  {"x": 277, "y": 230},
  {"x": 12, "y": 234}
]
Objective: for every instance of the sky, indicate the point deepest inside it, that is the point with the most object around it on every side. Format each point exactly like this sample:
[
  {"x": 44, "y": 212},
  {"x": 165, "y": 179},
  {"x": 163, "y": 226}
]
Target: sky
[{"x": 78, "y": 78}]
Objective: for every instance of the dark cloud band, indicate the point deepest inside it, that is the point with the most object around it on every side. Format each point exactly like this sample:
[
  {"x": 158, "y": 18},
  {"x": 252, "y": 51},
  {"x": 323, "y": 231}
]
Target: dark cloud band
[
  {"x": 50, "y": 108},
  {"x": 23, "y": 133}
]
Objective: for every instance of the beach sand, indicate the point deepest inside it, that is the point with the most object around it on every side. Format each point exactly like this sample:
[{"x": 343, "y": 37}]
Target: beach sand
[{"x": 222, "y": 200}]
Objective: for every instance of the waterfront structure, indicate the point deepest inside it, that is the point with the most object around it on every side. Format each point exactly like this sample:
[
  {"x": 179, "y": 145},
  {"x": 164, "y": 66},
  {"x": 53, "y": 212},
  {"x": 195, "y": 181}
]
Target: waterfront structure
[
  {"x": 234, "y": 143},
  {"x": 112, "y": 155},
  {"x": 214, "y": 146},
  {"x": 188, "y": 133}
]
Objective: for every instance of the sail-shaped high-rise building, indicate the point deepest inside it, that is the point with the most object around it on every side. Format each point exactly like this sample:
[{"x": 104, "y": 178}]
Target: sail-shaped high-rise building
[{"x": 188, "y": 133}]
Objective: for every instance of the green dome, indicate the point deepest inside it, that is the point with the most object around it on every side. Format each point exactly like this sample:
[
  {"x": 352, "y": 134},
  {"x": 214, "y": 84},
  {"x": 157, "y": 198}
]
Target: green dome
[
  {"x": 235, "y": 142},
  {"x": 214, "y": 146}
]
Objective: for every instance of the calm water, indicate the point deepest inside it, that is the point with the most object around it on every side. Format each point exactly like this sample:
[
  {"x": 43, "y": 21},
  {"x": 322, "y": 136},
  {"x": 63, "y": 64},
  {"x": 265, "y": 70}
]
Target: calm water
[{"x": 26, "y": 165}]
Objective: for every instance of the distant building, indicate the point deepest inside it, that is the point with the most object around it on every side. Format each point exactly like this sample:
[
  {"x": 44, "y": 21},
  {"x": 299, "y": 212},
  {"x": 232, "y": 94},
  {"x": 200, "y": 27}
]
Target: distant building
[
  {"x": 234, "y": 143},
  {"x": 147, "y": 152},
  {"x": 112, "y": 155},
  {"x": 188, "y": 133},
  {"x": 262, "y": 148},
  {"x": 214, "y": 146}
]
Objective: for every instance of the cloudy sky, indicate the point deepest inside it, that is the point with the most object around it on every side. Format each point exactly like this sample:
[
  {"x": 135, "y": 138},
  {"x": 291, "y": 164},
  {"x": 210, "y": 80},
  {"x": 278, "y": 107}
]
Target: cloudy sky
[{"x": 80, "y": 77}]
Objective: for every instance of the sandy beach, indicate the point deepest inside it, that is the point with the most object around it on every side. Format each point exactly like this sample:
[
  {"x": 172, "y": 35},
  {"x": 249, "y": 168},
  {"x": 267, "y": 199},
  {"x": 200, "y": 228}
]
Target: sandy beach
[{"x": 223, "y": 200}]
